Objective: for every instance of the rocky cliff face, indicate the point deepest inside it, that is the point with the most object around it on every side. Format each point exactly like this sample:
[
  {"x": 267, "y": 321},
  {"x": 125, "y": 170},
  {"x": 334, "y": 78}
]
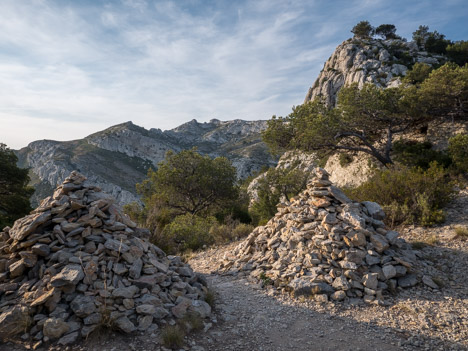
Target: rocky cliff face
[
  {"x": 381, "y": 62},
  {"x": 119, "y": 157}
]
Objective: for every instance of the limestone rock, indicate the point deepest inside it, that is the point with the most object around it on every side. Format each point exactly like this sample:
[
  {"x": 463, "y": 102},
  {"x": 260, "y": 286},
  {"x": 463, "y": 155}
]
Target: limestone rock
[
  {"x": 14, "y": 321},
  {"x": 85, "y": 264},
  {"x": 366, "y": 60},
  {"x": 54, "y": 328},
  {"x": 322, "y": 243}
]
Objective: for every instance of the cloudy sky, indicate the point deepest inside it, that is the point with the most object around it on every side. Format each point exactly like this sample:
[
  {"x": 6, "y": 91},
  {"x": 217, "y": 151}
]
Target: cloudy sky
[{"x": 69, "y": 68}]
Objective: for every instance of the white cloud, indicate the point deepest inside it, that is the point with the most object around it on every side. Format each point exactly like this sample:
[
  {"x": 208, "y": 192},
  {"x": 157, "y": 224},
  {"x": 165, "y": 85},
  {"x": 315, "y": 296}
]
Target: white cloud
[{"x": 69, "y": 70}]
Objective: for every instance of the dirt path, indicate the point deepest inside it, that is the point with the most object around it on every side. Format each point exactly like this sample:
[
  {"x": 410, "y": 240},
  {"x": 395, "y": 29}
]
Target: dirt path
[{"x": 250, "y": 319}]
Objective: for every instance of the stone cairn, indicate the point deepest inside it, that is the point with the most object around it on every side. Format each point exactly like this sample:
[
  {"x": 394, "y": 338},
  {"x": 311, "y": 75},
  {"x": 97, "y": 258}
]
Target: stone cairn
[
  {"x": 323, "y": 244},
  {"x": 76, "y": 263}
]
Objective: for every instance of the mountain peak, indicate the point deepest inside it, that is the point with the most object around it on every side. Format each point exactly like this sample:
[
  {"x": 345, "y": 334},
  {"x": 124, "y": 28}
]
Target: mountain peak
[{"x": 378, "y": 61}]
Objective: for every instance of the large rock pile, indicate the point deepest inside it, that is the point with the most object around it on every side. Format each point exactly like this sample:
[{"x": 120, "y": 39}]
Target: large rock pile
[
  {"x": 324, "y": 244},
  {"x": 76, "y": 263}
]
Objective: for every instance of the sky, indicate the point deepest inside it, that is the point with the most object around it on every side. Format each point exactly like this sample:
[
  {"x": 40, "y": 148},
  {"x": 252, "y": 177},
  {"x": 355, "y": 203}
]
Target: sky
[{"x": 69, "y": 68}]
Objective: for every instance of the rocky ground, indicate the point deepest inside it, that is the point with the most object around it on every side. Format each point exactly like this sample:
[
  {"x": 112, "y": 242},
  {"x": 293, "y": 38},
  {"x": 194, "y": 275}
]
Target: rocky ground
[{"x": 250, "y": 317}]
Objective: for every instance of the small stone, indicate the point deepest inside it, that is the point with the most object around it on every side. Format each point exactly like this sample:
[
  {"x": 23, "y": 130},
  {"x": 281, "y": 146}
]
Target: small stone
[
  {"x": 146, "y": 309},
  {"x": 380, "y": 243},
  {"x": 83, "y": 306},
  {"x": 69, "y": 339},
  {"x": 358, "y": 239},
  {"x": 427, "y": 280},
  {"x": 70, "y": 274},
  {"x": 125, "y": 325},
  {"x": 144, "y": 322},
  {"x": 374, "y": 210},
  {"x": 126, "y": 293},
  {"x": 180, "y": 309},
  {"x": 370, "y": 280},
  {"x": 408, "y": 281},
  {"x": 17, "y": 269},
  {"x": 14, "y": 321},
  {"x": 41, "y": 249},
  {"x": 135, "y": 269},
  {"x": 94, "y": 318},
  {"x": 340, "y": 283},
  {"x": 338, "y": 295},
  {"x": 54, "y": 328},
  {"x": 128, "y": 303},
  {"x": 115, "y": 245},
  {"x": 202, "y": 308},
  {"x": 389, "y": 271}
]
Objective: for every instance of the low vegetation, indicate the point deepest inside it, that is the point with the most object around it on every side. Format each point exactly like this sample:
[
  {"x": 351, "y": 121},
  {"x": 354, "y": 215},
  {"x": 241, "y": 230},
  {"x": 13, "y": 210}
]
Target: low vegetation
[
  {"x": 14, "y": 189},
  {"x": 190, "y": 202},
  {"x": 408, "y": 195},
  {"x": 274, "y": 185},
  {"x": 461, "y": 232}
]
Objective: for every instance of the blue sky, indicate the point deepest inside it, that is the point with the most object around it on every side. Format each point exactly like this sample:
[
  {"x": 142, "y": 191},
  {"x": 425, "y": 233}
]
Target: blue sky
[{"x": 69, "y": 68}]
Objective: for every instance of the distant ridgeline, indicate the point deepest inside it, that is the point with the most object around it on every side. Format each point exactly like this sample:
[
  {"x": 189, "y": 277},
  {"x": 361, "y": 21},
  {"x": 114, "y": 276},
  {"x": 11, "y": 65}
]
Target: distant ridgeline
[
  {"x": 382, "y": 61},
  {"x": 119, "y": 157}
]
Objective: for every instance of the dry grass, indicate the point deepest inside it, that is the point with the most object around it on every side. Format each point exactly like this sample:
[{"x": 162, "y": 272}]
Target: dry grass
[
  {"x": 172, "y": 336},
  {"x": 210, "y": 298},
  {"x": 461, "y": 232},
  {"x": 432, "y": 240}
]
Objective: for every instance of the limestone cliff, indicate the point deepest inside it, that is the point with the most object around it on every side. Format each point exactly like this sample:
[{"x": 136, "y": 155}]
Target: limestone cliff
[{"x": 381, "y": 62}]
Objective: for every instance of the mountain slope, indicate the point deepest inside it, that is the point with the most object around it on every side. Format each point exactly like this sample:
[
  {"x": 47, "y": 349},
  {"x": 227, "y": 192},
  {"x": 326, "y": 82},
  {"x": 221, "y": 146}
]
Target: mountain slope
[
  {"x": 119, "y": 157},
  {"x": 381, "y": 62}
]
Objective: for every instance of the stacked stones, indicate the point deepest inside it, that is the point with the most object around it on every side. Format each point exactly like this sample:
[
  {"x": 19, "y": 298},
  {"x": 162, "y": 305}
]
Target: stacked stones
[
  {"x": 77, "y": 262},
  {"x": 324, "y": 244}
]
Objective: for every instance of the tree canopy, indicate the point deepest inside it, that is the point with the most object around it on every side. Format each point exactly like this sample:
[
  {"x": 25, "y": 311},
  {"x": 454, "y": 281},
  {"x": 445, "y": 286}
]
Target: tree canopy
[
  {"x": 275, "y": 184},
  {"x": 14, "y": 189},
  {"x": 386, "y": 31},
  {"x": 458, "y": 52},
  {"x": 363, "y": 30},
  {"x": 367, "y": 120},
  {"x": 189, "y": 183}
]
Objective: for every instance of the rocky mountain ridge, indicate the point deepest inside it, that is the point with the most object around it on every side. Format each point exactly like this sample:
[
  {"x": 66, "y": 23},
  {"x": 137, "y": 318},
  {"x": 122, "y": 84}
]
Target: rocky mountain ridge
[
  {"x": 118, "y": 157},
  {"x": 376, "y": 61}
]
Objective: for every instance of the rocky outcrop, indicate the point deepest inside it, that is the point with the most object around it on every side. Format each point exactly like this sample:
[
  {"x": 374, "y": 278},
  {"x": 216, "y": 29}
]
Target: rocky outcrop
[
  {"x": 380, "y": 62},
  {"x": 77, "y": 263},
  {"x": 119, "y": 157},
  {"x": 326, "y": 245}
]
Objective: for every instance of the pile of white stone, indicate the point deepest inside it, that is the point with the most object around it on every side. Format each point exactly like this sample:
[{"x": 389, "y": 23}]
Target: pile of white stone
[
  {"x": 77, "y": 263},
  {"x": 324, "y": 244}
]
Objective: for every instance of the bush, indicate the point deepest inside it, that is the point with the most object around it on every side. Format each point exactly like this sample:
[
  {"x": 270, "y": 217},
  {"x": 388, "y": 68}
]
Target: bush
[
  {"x": 363, "y": 30},
  {"x": 185, "y": 232},
  {"x": 345, "y": 159},
  {"x": 275, "y": 185},
  {"x": 419, "y": 154},
  {"x": 458, "y": 151},
  {"x": 232, "y": 230},
  {"x": 458, "y": 52},
  {"x": 408, "y": 195},
  {"x": 172, "y": 336}
]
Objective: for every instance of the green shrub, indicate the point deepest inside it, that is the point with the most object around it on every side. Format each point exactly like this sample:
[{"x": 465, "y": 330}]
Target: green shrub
[
  {"x": 242, "y": 230},
  {"x": 458, "y": 151},
  {"x": 408, "y": 195},
  {"x": 345, "y": 159},
  {"x": 185, "y": 232},
  {"x": 419, "y": 154},
  {"x": 229, "y": 231}
]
